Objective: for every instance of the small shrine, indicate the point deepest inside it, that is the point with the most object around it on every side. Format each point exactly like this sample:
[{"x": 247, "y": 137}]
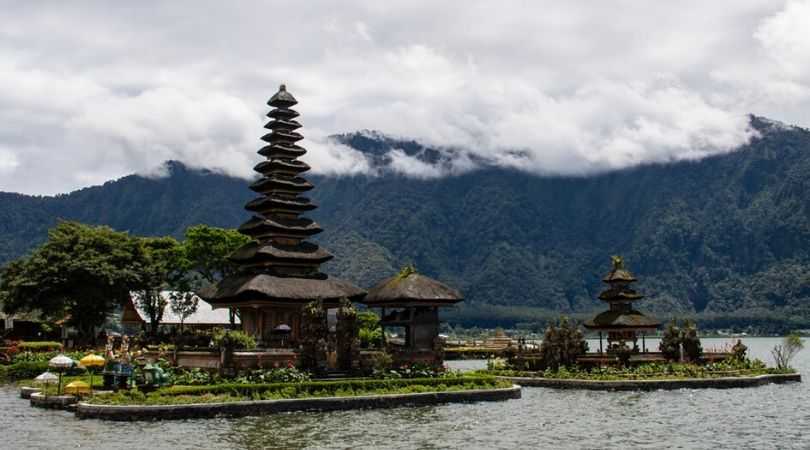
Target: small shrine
[
  {"x": 279, "y": 269},
  {"x": 622, "y": 323},
  {"x": 409, "y": 304}
]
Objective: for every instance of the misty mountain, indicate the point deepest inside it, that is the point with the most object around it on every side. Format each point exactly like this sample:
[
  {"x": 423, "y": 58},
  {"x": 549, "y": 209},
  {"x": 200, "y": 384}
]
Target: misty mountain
[{"x": 729, "y": 234}]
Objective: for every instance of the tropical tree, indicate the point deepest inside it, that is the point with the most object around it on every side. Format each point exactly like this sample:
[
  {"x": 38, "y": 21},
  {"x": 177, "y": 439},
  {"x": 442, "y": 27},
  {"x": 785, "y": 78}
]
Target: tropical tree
[
  {"x": 165, "y": 268},
  {"x": 784, "y": 353},
  {"x": 80, "y": 274},
  {"x": 208, "y": 248},
  {"x": 670, "y": 344},
  {"x": 184, "y": 304},
  {"x": 562, "y": 344}
]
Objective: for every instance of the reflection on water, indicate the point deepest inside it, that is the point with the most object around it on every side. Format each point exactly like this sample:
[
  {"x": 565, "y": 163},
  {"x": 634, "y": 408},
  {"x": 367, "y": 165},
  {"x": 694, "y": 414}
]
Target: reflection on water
[{"x": 764, "y": 417}]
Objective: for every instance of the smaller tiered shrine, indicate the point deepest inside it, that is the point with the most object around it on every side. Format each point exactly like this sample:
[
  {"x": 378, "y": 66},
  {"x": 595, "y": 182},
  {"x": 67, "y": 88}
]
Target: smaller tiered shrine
[{"x": 622, "y": 323}]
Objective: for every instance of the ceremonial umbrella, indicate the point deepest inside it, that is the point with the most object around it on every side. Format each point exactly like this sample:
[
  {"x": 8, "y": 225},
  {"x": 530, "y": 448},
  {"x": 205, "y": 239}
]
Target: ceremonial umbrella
[
  {"x": 92, "y": 361},
  {"x": 77, "y": 387},
  {"x": 46, "y": 378},
  {"x": 60, "y": 363}
]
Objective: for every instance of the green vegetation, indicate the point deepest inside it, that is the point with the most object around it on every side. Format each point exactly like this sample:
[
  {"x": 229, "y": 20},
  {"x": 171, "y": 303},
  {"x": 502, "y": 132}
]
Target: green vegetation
[
  {"x": 40, "y": 346},
  {"x": 669, "y": 371},
  {"x": 232, "y": 339},
  {"x": 721, "y": 241},
  {"x": 683, "y": 340},
  {"x": 82, "y": 273},
  {"x": 370, "y": 331},
  {"x": 312, "y": 389},
  {"x": 784, "y": 353}
]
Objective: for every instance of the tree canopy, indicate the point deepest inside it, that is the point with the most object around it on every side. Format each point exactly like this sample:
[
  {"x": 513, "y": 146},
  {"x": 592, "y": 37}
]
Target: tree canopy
[{"x": 79, "y": 275}]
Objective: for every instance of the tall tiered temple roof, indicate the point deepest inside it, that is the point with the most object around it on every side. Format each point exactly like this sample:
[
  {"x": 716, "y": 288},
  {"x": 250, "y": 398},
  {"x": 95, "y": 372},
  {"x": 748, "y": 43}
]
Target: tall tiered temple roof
[
  {"x": 280, "y": 265},
  {"x": 620, "y": 296}
]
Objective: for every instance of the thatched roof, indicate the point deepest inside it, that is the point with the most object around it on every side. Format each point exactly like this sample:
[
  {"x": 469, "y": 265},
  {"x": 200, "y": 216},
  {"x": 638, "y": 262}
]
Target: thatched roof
[
  {"x": 282, "y": 98},
  {"x": 258, "y": 288},
  {"x": 618, "y": 272},
  {"x": 411, "y": 289},
  {"x": 303, "y": 253},
  {"x": 620, "y": 294},
  {"x": 619, "y": 320}
]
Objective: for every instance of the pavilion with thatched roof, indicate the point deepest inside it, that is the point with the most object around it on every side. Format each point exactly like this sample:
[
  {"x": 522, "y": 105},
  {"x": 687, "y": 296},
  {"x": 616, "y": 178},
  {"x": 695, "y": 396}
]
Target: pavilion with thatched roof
[
  {"x": 279, "y": 269},
  {"x": 622, "y": 322},
  {"x": 410, "y": 302}
]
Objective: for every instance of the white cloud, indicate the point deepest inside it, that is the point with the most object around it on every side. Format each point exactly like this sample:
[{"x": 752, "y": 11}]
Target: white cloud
[{"x": 101, "y": 90}]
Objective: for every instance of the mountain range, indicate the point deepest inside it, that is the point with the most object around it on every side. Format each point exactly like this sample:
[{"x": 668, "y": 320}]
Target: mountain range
[{"x": 724, "y": 237}]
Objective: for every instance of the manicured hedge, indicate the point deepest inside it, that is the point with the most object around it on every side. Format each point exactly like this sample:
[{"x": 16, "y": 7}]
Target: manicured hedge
[
  {"x": 22, "y": 370},
  {"x": 41, "y": 346},
  {"x": 326, "y": 386}
]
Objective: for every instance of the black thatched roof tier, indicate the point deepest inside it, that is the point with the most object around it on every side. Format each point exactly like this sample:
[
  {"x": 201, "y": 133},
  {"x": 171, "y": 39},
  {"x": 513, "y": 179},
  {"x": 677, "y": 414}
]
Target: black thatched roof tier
[
  {"x": 620, "y": 294},
  {"x": 282, "y": 151},
  {"x": 282, "y": 136},
  {"x": 276, "y": 203},
  {"x": 282, "y": 113},
  {"x": 621, "y": 320},
  {"x": 303, "y": 253},
  {"x": 266, "y": 185},
  {"x": 263, "y": 288},
  {"x": 281, "y": 165},
  {"x": 301, "y": 227},
  {"x": 282, "y": 124},
  {"x": 282, "y": 98},
  {"x": 412, "y": 289}
]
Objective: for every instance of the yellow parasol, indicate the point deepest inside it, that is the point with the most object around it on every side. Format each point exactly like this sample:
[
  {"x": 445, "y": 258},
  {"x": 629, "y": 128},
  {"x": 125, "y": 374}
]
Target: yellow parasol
[
  {"x": 77, "y": 387},
  {"x": 92, "y": 361}
]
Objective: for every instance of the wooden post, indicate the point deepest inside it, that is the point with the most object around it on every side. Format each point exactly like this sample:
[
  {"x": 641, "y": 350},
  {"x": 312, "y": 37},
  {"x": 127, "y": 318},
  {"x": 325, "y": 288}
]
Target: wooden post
[{"x": 643, "y": 342}]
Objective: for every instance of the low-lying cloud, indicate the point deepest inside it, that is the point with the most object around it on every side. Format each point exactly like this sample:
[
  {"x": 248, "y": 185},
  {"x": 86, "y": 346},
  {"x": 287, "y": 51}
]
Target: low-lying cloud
[{"x": 100, "y": 90}]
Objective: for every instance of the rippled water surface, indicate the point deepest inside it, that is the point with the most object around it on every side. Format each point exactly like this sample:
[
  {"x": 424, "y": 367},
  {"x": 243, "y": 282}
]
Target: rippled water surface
[{"x": 774, "y": 416}]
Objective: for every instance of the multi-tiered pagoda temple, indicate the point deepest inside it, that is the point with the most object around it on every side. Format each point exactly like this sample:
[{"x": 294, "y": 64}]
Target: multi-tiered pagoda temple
[
  {"x": 621, "y": 322},
  {"x": 280, "y": 269}
]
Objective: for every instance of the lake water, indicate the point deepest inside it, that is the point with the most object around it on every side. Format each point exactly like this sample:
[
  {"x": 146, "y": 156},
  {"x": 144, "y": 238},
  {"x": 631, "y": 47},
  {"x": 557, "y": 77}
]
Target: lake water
[{"x": 767, "y": 417}]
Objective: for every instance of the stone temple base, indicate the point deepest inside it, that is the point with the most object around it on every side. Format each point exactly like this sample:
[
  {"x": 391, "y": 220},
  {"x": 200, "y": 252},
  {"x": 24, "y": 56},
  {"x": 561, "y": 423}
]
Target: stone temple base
[{"x": 39, "y": 400}]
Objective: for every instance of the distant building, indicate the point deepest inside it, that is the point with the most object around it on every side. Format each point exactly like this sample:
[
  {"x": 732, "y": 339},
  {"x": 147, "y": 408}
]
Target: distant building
[{"x": 134, "y": 318}]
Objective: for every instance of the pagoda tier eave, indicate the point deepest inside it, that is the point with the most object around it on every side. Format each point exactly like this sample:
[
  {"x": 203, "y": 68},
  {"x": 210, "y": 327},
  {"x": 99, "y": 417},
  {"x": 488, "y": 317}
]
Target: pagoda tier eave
[
  {"x": 268, "y": 204},
  {"x": 280, "y": 165},
  {"x": 267, "y": 185},
  {"x": 282, "y": 124},
  {"x": 262, "y": 289},
  {"x": 257, "y": 226},
  {"x": 282, "y": 151},
  {"x": 277, "y": 136}
]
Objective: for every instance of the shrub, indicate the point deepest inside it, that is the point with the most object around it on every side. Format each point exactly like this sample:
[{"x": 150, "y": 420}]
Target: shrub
[
  {"x": 670, "y": 344},
  {"x": 42, "y": 346},
  {"x": 22, "y": 370},
  {"x": 785, "y": 352},
  {"x": 562, "y": 344},
  {"x": 233, "y": 339},
  {"x": 325, "y": 387},
  {"x": 692, "y": 349}
]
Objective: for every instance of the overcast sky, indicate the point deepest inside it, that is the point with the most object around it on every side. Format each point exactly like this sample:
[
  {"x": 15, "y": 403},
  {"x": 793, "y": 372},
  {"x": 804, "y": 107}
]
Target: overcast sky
[{"x": 91, "y": 91}]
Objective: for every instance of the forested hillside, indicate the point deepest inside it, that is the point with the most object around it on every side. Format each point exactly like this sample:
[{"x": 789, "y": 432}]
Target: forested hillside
[{"x": 728, "y": 236}]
